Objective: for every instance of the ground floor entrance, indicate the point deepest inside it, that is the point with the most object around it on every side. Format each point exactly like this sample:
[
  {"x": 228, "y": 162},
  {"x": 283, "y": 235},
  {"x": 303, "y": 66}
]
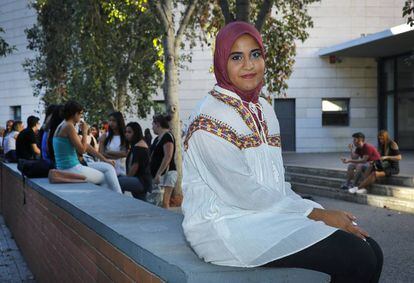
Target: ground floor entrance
[{"x": 396, "y": 98}]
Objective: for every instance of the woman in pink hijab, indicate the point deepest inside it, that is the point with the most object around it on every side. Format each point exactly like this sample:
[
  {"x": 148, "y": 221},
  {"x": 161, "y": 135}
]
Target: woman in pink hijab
[{"x": 238, "y": 208}]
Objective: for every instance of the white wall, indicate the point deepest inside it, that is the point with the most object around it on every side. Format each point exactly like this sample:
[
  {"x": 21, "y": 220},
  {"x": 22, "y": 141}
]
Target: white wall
[
  {"x": 15, "y": 86},
  {"x": 337, "y": 21}
]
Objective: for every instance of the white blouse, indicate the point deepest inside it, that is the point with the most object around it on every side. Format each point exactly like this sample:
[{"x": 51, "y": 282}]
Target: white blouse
[
  {"x": 10, "y": 141},
  {"x": 238, "y": 209},
  {"x": 120, "y": 163}
]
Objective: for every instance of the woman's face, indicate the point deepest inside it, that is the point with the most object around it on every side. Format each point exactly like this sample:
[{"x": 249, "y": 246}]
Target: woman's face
[
  {"x": 78, "y": 116},
  {"x": 381, "y": 139},
  {"x": 129, "y": 134},
  {"x": 94, "y": 131},
  {"x": 112, "y": 123},
  {"x": 245, "y": 66},
  {"x": 155, "y": 127}
]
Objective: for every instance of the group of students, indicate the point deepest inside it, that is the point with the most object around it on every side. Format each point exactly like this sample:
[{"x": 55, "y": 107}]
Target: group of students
[
  {"x": 119, "y": 157},
  {"x": 367, "y": 163}
]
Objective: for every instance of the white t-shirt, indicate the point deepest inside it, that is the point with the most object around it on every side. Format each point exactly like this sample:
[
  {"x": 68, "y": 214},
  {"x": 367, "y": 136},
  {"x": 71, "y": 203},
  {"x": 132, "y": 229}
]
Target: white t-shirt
[
  {"x": 10, "y": 141},
  {"x": 120, "y": 164}
]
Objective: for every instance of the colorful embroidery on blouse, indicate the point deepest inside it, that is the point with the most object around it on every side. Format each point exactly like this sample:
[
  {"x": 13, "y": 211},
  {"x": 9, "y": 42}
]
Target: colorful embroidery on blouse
[
  {"x": 224, "y": 131},
  {"x": 274, "y": 140},
  {"x": 238, "y": 106}
]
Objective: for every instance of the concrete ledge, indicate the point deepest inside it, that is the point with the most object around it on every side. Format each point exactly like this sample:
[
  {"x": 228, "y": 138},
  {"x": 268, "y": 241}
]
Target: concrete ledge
[{"x": 117, "y": 238}]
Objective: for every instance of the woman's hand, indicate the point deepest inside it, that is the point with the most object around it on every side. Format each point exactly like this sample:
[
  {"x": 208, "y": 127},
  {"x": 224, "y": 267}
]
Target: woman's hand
[
  {"x": 110, "y": 161},
  {"x": 157, "y": 179},
  {"x": 84, "y": 128},
  {"x": 339, "y": 219}
]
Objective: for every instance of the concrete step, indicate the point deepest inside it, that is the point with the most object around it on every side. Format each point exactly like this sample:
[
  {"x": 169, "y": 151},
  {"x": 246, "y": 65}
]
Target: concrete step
[
  {"x": 397, "y": 180},
  {"x": 315, "y": 180},
  {"x": 377, "y": 189},
  {"x": 370, "y": 199}
]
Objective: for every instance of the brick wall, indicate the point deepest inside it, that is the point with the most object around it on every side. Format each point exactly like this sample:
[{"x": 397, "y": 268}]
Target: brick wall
[{"x": 57, "y": 247}]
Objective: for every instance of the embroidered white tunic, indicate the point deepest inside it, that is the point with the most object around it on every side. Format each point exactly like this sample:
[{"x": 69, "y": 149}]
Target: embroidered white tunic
[{"x": 238, "y": 209}]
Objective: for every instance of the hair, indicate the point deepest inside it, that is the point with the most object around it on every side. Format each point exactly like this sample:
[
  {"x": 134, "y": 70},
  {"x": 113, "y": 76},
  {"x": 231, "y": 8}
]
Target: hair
[
  {"x": 137, "y": 136},
  {"x": 16, "y": 124},
  {"x": 121, "y": 128},
  {"x": 359, "y": 135},
  {"x": 55, "y": 121},
  {"x": 384, "y": 148},
  {"x": 32, "y": 121},
  {"x": 50, "y": 109},
  {"x": 70, "y": 109},
  {"x": 162, "y": 119}
]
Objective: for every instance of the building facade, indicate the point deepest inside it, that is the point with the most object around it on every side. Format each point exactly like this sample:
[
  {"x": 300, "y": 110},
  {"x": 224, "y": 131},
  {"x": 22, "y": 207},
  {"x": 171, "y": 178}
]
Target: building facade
[{"x": 331, "y": 94}]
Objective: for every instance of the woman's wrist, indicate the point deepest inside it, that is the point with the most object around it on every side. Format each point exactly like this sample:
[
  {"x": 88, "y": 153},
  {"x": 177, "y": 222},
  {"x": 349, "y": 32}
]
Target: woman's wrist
[{"x": 317, "y": 214}]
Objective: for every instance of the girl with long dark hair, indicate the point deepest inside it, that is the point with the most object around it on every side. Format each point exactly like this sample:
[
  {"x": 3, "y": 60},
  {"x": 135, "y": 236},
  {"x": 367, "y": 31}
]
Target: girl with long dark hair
[
  {"x": 113, "y": 145},
  {"x": 138, "y": 180}
]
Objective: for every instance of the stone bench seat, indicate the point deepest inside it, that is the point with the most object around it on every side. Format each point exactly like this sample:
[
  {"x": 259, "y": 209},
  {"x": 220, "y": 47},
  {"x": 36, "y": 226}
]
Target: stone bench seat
[{"x": 112, "y": 236}]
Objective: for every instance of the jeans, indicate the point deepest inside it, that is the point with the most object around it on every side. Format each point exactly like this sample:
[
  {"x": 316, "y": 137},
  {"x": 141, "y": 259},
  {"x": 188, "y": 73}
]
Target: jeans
[
  {"x": 133, "y": 185},
  {"x": 99, "y": 173},
  {"x": 342, "y": 255}
]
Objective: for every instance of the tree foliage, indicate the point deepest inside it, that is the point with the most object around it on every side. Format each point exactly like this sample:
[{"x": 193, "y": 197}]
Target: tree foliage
[
  {"x": 408, "y": 11},
  {"x": 5, "y": 48},
  {"x": 98, "y": 52}
]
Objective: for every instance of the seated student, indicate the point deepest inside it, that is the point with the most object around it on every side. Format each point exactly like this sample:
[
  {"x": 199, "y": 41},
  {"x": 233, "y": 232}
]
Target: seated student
[
  {"x": 138, "y": 180},
  {"x": 389, "y": 165},
  {"x": 10, "y": 142},
  {"x": 8, "y": 129},
  {"x": 67, "y": 143},
  {"x": 113, "y": 144},
  {"x": 52, "y": 112},
  {"x": 26, "y": 143},
  {"x": 361, "y": 158}
]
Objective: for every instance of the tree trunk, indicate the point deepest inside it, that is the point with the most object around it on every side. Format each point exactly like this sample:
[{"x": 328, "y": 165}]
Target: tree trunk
[
  {"x": 242, "y": 10},
  {"x": 171, "y": 98}
]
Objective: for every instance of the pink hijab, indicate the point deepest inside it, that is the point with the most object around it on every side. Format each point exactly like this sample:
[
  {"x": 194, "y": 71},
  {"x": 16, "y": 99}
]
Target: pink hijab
[{"x": 224, "y": 41}]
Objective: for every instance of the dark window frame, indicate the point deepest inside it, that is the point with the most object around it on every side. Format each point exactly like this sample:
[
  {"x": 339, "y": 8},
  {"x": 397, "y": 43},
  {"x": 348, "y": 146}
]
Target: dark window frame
[
  {"x": 336, "y": 118},
  {"x": 14, "y": 111}
]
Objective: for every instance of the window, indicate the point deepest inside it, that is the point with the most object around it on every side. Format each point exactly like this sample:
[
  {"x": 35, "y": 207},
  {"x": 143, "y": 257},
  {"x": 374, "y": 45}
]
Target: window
[
  {"x": 335, "y": 112},
  {"x": 16, "y": 112}
]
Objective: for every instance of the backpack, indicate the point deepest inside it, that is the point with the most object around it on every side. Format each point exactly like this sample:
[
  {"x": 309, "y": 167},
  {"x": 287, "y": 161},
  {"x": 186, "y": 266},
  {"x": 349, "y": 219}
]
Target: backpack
[{"x": 34, "y": 168}]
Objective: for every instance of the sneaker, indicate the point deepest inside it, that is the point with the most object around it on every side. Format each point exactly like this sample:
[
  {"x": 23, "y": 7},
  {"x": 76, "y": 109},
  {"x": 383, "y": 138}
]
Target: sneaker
[
  {"x": 353, "y": 190},
  {"x": 345, "y": 186},
  {"x": 361, "y": 191}
]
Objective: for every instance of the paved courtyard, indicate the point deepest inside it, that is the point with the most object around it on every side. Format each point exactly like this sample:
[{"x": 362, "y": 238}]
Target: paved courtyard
[
  {"x": 13, "y": 267},
  {"x": 394, "y": 231}
]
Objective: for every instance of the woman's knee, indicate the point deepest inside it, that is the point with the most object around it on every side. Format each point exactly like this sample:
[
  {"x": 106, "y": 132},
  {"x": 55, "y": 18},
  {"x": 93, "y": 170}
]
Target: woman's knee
[{"x": 364, "y": 263}]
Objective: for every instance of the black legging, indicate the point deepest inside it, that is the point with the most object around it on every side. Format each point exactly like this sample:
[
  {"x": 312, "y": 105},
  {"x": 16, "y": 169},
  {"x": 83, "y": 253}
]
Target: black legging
[{"x": 342, "y": 255}]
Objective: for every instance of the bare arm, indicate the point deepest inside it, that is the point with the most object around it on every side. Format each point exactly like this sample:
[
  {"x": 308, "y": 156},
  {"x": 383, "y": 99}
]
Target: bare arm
[
  {"x": 363, "y": 160},
  {"x": 116, "y": 154},
  {"x": 35, "y": 149},
  {"x": 133, "y": 170},
  {"x": 168, "y": 154},
  {"x": 398, "y": 157},
  {"x": 80, "y": 145}
]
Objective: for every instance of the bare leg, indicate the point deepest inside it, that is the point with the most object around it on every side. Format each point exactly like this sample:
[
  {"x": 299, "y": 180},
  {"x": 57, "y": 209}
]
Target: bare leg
[
  {"x": 371, "y": 179},
  {"x": 359, "y": 171},
  {"x": 57, "y": 176},
  {"x": 350, "y": 173},
  {"x": 167, "y": 196}
]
